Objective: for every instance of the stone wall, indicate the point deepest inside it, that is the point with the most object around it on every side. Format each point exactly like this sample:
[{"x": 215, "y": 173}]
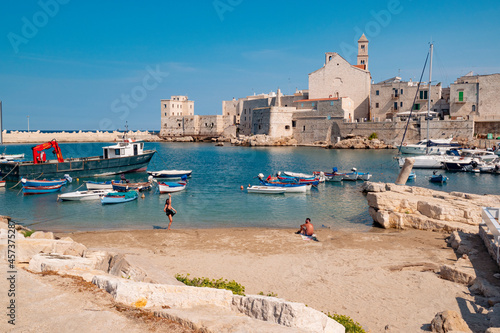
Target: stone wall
[
  {"x": 209, "y": 126},
  {"x": 80, "y": 136}
]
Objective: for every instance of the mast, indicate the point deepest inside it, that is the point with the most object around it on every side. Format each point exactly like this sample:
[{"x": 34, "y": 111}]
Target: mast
[{"x": 429, "y": 98}]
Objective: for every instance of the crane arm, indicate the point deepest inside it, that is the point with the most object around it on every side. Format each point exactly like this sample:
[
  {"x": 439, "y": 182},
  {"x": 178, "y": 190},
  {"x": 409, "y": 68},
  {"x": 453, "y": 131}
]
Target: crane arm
[{"x": 38, "y": 157}]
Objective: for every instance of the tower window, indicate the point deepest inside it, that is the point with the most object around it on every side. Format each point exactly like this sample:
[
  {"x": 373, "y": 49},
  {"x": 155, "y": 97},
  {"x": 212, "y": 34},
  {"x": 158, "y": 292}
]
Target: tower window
[
  {"x": 473, "y": 108},
  {"x": 362, "y": 62},
  {"x": 377, "y": 92},
  {"x": 376, "y": 105},
  {"x": 362, "y": 47}
]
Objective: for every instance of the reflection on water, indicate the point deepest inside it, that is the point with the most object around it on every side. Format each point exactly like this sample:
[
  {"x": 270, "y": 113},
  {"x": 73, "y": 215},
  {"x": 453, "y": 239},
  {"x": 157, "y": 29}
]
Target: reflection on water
[{"x": 213, "y": 197}]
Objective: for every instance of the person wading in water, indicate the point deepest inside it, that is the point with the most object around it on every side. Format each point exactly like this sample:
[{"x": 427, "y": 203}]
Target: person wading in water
[{"x": 169, "y": 210}]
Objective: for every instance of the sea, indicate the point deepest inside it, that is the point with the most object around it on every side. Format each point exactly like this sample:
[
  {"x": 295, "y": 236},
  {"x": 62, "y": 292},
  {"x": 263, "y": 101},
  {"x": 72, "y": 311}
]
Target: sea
[{"x": 213, "y": 197}]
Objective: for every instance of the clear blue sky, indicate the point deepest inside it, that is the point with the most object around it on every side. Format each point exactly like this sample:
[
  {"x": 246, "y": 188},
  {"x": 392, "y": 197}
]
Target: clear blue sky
[{"x": 96, "y": 64}]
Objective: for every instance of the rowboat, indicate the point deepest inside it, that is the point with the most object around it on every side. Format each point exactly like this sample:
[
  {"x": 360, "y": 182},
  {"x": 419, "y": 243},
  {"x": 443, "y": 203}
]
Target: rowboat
[
  {"x": 45, "y": 182},
  {"x": 289, "y": 188},
  {"x": 169, "y": 187},
  {"x": 412, "y": 176},
  {"x": 99, "y": 185},
  {"x": 118, "y": 197},
  {"x": 319, "y": 176},
  {"x": 124, "y": 187},
  {"x": 438, "y": 178},
  {"x": 171, "y": 174},
  {"x": 333, "y": 176},
  {"x": 364, "y": 176},
  {"x": 266, "y": 189},
  {"x": 82, "y": 195},
  {"x": 41, "y": 189}
]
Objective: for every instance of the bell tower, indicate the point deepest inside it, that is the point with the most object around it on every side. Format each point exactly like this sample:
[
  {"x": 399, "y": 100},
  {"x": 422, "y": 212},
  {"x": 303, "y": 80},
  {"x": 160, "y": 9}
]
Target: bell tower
[{"x": 363, "y": 52}]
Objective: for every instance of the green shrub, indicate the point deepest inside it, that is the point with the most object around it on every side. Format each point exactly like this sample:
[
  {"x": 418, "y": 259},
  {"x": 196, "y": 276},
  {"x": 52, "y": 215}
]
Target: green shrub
[
  {"x": 234, "y": 286},
  {"x": 373, "y": 136},
  {"x": 350, "y": 325},
  {"x": 271, "y": 294},
  {"x": 27, "y": 233}
]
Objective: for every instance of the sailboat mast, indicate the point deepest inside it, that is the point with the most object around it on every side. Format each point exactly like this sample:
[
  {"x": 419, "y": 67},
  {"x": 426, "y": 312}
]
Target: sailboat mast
[{"x": 429, "y": 97}]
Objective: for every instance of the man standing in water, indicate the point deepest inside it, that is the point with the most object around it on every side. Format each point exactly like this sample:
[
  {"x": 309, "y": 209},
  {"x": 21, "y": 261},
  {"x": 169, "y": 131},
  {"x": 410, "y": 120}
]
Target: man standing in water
[
  {"x": 306, "y": 228},
  {"x": 169, "y": 210}
]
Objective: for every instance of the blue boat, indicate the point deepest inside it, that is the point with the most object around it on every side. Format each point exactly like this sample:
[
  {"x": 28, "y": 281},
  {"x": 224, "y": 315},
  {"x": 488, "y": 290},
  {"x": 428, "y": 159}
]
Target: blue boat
[
  {"x": 45, "y": 182},
  {"x": 119, "y": 197},
  {"x": 412, "y": 176},
  {"x": 438, "y": 178},
  {"x": 27, "y": 190}
]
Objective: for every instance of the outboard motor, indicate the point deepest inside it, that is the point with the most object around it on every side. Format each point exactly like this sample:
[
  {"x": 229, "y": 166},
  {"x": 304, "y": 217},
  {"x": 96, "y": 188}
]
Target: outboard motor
[{"x": 260, "y": 176}]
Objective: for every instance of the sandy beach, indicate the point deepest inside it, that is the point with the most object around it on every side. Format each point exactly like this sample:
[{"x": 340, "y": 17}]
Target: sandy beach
[{"x": 385, "y": 280}]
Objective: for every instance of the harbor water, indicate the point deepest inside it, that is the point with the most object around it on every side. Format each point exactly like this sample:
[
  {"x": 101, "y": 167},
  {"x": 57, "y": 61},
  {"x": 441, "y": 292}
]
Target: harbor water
[{"x": 213, "y": 198}]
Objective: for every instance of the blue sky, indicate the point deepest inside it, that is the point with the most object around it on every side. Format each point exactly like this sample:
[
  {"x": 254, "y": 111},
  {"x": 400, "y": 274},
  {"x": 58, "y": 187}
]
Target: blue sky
[{"x": 71, "y": 64}]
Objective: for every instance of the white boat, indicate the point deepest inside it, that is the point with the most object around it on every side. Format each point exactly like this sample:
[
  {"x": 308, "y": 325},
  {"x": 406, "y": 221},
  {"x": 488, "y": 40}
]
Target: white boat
[
  {"x": 169, "y": 187},
  {"x": 171, "y": 174},
  {"x": 99, "y": 185},
  {"x": 2, "y": 183},
  {"x": 11, "y": 157},
  {"x": 320, "y": 176},
  {"x": 364, "y": 176},
  {"x": 424, "y": 161},
  {"x": 83, "y": 195},
  {"x": 266, "y": 189},
  {"x": 429, "y": 147}
]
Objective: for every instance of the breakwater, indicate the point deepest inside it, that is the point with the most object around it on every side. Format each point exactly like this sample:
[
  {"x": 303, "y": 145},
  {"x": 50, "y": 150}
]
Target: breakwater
[{"x": 75, "y": 136}]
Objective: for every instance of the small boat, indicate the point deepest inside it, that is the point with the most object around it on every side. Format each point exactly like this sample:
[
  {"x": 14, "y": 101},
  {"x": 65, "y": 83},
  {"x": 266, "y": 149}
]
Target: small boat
[
  {"x": 351, "y": 176},
  {"x": 99, "y": 185},
  {"x": 303, "y": 177},
  {"x": 44, "y": 182},
  {"x": 289, "y": 188},
  {"x": 438, "y": 178},
  {"x": 266, "y": 189},
  {"x": 412, "y": 176},
  {"x": 2, "y": 183},
  {"x": 171, "y": 174},
  {"x": 364, "y": 176},
  {"x": 11, "y": 157},
  {"x": 41, "y": 189},
  {"x": 429, "y": 147},
  {"x": 124, "y": 186},
  {"x": 82, "y": 195},
  {"x": 118, "y": 197},
  {"x": 169, "y": 187},
  {"x": 333, "y": 176}
]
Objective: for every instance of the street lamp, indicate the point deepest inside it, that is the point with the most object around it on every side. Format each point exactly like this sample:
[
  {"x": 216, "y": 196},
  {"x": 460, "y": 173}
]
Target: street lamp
[{"x": 28, "y": 124}]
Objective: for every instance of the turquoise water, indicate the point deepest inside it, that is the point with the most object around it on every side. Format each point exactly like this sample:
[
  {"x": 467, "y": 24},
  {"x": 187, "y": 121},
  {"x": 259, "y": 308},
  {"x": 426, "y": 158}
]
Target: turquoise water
[{"x": 213, "y": 197}]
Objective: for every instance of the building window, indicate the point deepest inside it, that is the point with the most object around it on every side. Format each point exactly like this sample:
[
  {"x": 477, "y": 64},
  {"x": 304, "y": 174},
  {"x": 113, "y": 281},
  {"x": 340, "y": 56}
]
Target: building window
[
  {"x": 460, "y": 96},
  {"x": 401, "y": 91},
  {"x": 401, "y": 104},
  {"x": 245, "y": 118},
  {"x": 260, "y": 127},
  {"x": 287, "y": 127},
  {"x": 362, "y": 47},
  {"x": 473, "y": 108},
  {"x": 181, "y": 106},
  {"x": 165, "y": 113},
  {"x": 294, "y": 123},
  {"x": 179, "y": 125},
  {"x": 331, "y": 103},
  {"x": 416, "y": 107},
  {"x": 303, "y": 128},
  {"x": 376, "y": 105},
  {"x": 362, "y": 62},
  {"x": 313, "y": 104},
  {"x": 164, "y": 105},
  {"x": 191, "y": 106},
  {"x": 395, "y": 105},
  {"x": 377, "y": 92},
  {"x": 423, "y": 94}
]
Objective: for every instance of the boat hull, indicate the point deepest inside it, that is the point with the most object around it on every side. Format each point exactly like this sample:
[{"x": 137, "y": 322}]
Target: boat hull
[
  {"x": 171, "y": 174},
  {"x": 266, "y": 189},
  {"x": 29, "y": 190},
  {"x": 99, "y": 185},
  {"x": 171, "y": 187},
  {"x": 115, "y": 198},
  {"x": 79, "y": 167},
  {"x": 83, "y": 195}
]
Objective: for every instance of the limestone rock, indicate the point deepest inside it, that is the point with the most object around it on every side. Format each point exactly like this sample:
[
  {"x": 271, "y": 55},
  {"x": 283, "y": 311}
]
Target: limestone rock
[
  {"x": 448, "y": 321},
  {"x": 493, "y": 330},
  {"x": 484, "y": 288},
  {"x": 285, "y": 313},
  {"x": 461, "y": 272},
  {"x": 373, "y": 187},
  {"x": 494, "y": 316},
  {"x": 56, "y": 262},
  {"x": 42, "y": 235}
]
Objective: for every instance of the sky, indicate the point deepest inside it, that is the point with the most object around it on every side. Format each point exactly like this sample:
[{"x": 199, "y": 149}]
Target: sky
[{"x": 99, "y": 65}]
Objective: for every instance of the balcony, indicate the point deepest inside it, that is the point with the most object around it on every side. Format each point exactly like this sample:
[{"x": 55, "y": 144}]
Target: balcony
[
  {"x": 394, "y": 96},
  {"x": 457, "y": 100}
]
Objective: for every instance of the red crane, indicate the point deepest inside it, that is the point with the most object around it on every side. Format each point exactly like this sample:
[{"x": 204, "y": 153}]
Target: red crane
[{"x": 39, "y": 154}]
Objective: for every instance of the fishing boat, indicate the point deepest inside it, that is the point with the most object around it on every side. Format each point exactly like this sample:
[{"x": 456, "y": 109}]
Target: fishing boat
[
  {"x": 438, "y": 178},
  {"x": 125, "y": 156},
  {"x": 351, "y": 176},
  {"x": 121, "y": 186},
  {"x": 82, "y": 195},
  {"x": 364, "y": 176},
  {"x": 169, "y": 187},
  {"x": 171, "y": 174},
  {"x": 118, "y": 197},
  {"x": 27, "y": 190},
  {"x": 304, "y": 177},
  {"x": 334, "y": 176},
  {"x": 45, "y": 182},
  {"x": 266, "y": 189},
  {"x": 99, "y": 185}
]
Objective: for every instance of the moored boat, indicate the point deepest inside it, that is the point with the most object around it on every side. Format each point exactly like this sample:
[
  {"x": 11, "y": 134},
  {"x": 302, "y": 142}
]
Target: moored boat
[
  {"x": 169, "y": 187},
  {"x": 99, "y": 185},
  {"x": 118, "y": 197},
  {"x": 45, "y": 182},
  {"x": 438, "y": 178},
  {"x": 171, "y": 174},
  {"x": 121, "y": 186},
  {"x": 266, "y": 189},
  {"x": 429, "y": 147},
  {"x": 11, "y": 157},
  {"x": 82, "y": 195},
  {"x": 2, "y": 183},
  {"x": 27, "y": 190}
]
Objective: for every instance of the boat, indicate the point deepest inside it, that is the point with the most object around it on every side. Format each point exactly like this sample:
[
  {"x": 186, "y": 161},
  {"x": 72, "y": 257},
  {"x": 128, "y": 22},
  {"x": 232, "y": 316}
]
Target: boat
[
  {"x": 45, "y": 182},
  {"x": 99, "y": 185},
  {"x": 41, "y": 189},
  {"x": 82, "y": 195},
  {"x": 469, "y": 159},
  {"x": 319, "y": 176},
  {"x": 429, "y": 147},
  {"x": 351, "y": 176},
  {"x": 121, "y": 186},
  {"x": 11, "y": 157},
  {"x": 424, "y": 161},
  {"x": 2, "y": 183},
  {"x": 118, "y": 197},
  {"x": 169, "y": 187},
  {"x": 364, "y": 176},
  {"x": 412, "y": 176},
  {"x": 171, "y": 174},
  {"x": 334, "y": 176},
  {"x": 438, "y": 178},
  {"x": 125, "y": 156},
  {"x": 266, "y": 189},
  {"x": 289, "y": 188},
  {"x": 292, "y": 180}
]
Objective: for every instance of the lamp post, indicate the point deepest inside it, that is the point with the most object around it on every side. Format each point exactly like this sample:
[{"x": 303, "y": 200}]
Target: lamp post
[{"x": 28, "y": 124}]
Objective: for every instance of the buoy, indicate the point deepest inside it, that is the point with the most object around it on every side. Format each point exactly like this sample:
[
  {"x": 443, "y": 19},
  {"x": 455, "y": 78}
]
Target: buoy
[
  {"x": 143, "y": 196},
  {"x": 78, "y": 179},
  {"x": 241, "y": 187}
]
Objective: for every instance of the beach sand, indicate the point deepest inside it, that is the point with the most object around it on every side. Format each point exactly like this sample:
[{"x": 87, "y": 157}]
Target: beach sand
[{"x": 386, "y": 280}]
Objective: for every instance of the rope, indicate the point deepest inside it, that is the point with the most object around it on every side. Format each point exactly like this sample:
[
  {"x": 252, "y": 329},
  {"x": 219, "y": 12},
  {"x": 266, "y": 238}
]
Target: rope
[
  {"x": 17, "y": 164},
  {"x": 414, "y": 99}
]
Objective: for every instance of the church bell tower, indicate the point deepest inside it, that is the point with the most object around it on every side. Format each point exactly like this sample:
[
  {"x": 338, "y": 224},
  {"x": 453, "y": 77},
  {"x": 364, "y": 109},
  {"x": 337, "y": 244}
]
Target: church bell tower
[{"x": 363, "y": 52}]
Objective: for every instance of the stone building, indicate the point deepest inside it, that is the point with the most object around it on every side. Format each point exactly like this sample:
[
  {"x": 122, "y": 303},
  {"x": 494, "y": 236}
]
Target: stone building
[
  {"x": 338, "y": 78},
  {"x": 394, "y": 96},
  {"x": 177, "y": 106}
]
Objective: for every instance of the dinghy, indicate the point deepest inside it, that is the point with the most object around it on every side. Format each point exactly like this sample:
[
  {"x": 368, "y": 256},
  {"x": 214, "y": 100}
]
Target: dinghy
[
  {"x": 266, "y": 189},
  {"x": 45, "y": 182},
  {"x": 169, "y": 187},
  {"x": 27, "y": 190},
  {"x": 118, "y": 197},
  {"x": 171, "y": 174},
  {"x": 83, "y": 195},
  {"x": 99, "y": 185}
]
